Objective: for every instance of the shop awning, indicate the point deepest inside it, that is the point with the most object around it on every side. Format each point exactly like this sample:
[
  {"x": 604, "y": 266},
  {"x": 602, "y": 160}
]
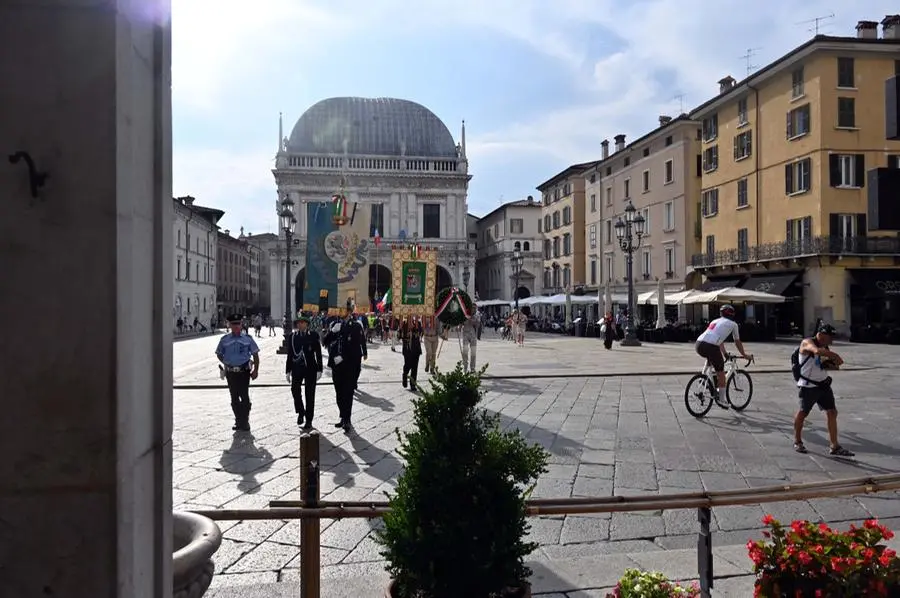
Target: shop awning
[
  {"x": 878, "y": 281},
  {"x": 714, "y": 284},
  {"x": 774, "y": 284}
]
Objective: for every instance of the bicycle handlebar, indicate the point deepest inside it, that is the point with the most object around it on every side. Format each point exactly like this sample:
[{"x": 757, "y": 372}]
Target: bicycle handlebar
[{"x": 732, "y": 357}]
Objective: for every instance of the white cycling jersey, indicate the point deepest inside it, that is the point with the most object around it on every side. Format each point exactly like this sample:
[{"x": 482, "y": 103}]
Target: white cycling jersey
[{"x": 718, "y": 331}]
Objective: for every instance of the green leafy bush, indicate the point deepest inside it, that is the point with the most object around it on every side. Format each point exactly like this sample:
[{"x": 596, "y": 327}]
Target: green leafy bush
[
  {"x": 651, "y": 584},
  {"x": 458, "y": 523}
]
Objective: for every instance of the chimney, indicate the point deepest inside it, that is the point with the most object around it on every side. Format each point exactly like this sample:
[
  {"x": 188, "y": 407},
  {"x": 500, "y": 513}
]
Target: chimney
[
  {"x": 726, "y": 83},
  {"x": 227, "y": 233},
  {"x": 664, "y": 120},
  {"x": 889, "y": 27},
  {"x": 530, "y": 200},
  {"x": 186, "y": 200},
  {"x": 604, "y": 151},
  {"x": 867, "y": 30},
  {"x": 620, "y": 142}
]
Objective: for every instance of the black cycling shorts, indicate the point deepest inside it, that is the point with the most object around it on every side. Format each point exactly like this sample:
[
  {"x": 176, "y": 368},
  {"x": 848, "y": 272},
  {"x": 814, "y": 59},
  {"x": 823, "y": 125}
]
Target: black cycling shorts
[{"x": 713, "y": 355}]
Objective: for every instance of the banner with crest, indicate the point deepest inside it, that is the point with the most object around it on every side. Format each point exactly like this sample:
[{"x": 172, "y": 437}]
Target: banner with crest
[{"x": 414, "y": 270}]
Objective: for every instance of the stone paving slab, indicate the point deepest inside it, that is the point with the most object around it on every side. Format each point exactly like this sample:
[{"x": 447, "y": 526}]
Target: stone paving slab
[{"x": 614, "y": 435}]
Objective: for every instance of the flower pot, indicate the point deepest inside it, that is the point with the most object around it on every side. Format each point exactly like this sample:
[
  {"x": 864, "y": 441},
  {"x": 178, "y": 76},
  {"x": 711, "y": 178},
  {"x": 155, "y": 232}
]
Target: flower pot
[
  {"x": 195, "y": 540},
  {"x": 522, "y": 592}
]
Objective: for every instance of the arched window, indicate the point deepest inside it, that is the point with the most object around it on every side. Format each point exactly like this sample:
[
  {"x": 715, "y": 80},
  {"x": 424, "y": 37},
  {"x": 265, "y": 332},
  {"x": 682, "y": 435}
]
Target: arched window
[
  {"x": 517, "y": 246},
  {"x": 526, "y": 246}
]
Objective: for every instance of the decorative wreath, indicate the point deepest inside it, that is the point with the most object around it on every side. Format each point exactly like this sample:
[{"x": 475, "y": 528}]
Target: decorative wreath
[{"x": 454, "y": 306}]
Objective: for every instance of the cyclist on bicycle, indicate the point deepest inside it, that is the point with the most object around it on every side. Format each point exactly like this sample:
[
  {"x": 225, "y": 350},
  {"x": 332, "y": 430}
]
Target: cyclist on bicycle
[{"x": 711, "y": 345}]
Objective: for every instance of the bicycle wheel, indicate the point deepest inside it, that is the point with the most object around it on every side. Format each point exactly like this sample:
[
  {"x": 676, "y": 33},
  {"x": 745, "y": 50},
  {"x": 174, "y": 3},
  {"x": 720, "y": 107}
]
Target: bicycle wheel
[
  {"x": 701, "y": 390},
  {"x": 739, "y": 390}
]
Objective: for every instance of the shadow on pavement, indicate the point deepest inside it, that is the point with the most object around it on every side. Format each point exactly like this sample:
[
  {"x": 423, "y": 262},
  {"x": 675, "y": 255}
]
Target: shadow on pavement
[{"x": 255, "y": 460}]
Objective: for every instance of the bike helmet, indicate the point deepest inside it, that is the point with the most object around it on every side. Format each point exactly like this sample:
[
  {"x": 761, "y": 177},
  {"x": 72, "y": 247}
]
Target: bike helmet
[{"x": 727, "y": 311}]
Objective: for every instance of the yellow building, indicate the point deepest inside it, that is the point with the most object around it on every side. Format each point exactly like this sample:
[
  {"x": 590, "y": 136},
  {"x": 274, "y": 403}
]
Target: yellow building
[
  {"x": 787, "y": 211},
  {"x": 562, "y": 228}
]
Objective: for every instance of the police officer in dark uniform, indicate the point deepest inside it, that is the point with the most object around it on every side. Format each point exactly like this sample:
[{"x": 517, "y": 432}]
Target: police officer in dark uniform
[
  {"x": 237, "y": 351},
  {"x": 303, "y": 369},
  {"x": 346, "y": 344}
]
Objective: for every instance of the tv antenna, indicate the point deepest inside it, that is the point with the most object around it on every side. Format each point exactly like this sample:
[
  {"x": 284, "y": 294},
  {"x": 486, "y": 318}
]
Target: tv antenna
[
  {"x": 816, "y": 23},
  {"x": 680, "y": 97},
  {"x": 748, "y": 59}
]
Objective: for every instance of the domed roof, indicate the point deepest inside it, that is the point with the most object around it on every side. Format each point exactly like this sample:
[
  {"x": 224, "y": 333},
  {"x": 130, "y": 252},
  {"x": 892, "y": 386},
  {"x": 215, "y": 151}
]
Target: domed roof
[{"x": 372, "y": 126}]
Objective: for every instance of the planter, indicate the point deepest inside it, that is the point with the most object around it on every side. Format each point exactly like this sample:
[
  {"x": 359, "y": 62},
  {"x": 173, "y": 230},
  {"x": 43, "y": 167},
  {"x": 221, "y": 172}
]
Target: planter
[
  {"x": 195, "y": 540},
  {"x": 522, "y": 592}
]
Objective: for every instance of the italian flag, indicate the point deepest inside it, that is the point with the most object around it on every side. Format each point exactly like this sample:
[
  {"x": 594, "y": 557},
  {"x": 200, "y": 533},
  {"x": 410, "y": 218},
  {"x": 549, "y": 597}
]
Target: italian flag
[
  {"x": 340, "y": 206},
  {"x": 377, "y": 238},
  {"x": 384, "y": 300}
]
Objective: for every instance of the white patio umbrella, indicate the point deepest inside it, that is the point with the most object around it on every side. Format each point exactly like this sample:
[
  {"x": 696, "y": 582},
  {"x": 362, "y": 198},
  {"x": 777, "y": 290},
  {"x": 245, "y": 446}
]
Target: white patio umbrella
[
  {"x": 733, "y": 295},
  {"x": 661, "y": 305}
]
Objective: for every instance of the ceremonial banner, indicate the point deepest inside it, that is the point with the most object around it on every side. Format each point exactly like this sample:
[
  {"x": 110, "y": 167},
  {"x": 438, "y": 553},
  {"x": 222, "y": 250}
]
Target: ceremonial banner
[{"x": 414, "y": 271}]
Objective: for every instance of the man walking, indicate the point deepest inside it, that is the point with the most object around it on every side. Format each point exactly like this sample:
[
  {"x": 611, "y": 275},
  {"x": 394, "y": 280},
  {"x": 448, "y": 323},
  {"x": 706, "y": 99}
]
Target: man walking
[
  {"x": 469, "y": 332},
  {"x": 430, "y": 338},
  {"x": 303, "y": 369},
  {"x": 236, "y": 351},
  {"x": 816, "y": 360},
  {"x": 346, "y": 351}
]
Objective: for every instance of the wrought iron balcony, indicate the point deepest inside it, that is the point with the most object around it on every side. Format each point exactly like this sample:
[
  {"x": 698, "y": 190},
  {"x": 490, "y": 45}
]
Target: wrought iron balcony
[{"x": 813, "y": 246}]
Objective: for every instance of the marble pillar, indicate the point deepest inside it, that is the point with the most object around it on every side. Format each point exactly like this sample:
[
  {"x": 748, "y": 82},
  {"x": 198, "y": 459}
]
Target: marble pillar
[{"x": 86, "y": 293}]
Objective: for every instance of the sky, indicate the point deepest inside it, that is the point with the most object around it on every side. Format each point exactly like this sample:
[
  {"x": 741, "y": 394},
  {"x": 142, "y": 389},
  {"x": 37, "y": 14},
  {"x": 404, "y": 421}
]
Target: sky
[{"x": 540, "y": 83}]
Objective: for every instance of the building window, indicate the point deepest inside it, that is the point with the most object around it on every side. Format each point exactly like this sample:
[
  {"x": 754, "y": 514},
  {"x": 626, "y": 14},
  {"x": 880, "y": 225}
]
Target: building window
[
  {"x": 645, "y": 263},
  {"x": 555, "y": 246},
  {"x": 516, "y": 226},
  {"x": 710, "y": 244},
  {"x": 567, "y": 276},
  {"x": 710, "y": 128},
  {"x": 742, "y": 111},
  {"x": 845, "y": 74},
  {"x": 798, "y": 121},
  {"x": 797, "y": 177},
  {"x": 376, "y": 223},
  {"x": 607, "y": 233},
  {"x": 547, "y": 280},
  {"x": 709, "y": 202},
  {"x": 668, "y": 216},
  {"x": 798, "y": 235},
  {"x": 670, "y": 262},
  {"x": 178, "y": 271},
  {"x": 846, "y": 113},
  {"x": 547, "y": 223},
  {"x": 742, "y": 200},
  {"x": 497, "y": 231},
  {"x": 526, "y": 246},
  {"x": 540, "y": 228},
  {"x": 187, "y": 270},
  {"x": 847, "y": 170},
  {"x": 627, "y": 161},
  {"x": 567, "y": 244},
  {"x": 593, "y": 178},
  {"x": 645, "y": 181},
  {"x": 743, "y": 145},
  {"x": 668, "y": 141},
  {"x": 608, "y": 170},
  {"x": 593, "y": 202},
  {"x": 609, "y": 268},
  {"x": 592, "y": 235},
  {"x": 711, "y": 158},
  {"x": 627, "y": 186},
  {"x": 646, "y": 152},
  {"x": 669, "y": 171},
  {"x": 742, "y": 244},
  {"x": 547, "y": 249},
  {"x": 893, "y": 161},
  {"x": 567, "y": 216},
  {"x": 556, "y": 219},
  {"x": 431, "y": 220},
  {"x": 593, "y": 271},
  {"x": 797, "y": 83},
  {"x": 645, "y": 212},
  {"x": 609, "y": 196}
]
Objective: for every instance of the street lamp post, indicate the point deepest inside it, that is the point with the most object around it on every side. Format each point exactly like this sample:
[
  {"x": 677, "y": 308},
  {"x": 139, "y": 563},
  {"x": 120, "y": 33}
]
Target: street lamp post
[
  {"x": 288, "y": 223},
  {"x": 629, "y": 232},
  {"x": 517, "y": 262}
]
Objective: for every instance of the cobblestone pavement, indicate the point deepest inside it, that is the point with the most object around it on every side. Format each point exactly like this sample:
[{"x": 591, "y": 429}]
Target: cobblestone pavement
[{"x": 625, "y": 434}]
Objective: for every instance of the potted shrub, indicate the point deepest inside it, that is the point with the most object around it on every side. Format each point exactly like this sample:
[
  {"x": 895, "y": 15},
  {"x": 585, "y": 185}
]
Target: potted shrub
[
  {"x": 651, "y": 584},
  {"x": 811, "y": 559},
  {"x": 458, "y": 522}
]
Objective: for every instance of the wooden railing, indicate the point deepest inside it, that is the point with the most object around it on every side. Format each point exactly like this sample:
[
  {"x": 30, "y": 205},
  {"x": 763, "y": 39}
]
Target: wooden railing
[{"x": 311, "y": 510}]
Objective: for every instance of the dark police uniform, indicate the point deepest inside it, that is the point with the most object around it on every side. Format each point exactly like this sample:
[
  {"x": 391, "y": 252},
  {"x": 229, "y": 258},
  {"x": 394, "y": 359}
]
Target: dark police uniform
[
  {"x": 304, "y": 367},
  {"x": 236, "y": 352},
  {"x": 411, "y": 337},
  {"x": 349, "y": 344}
]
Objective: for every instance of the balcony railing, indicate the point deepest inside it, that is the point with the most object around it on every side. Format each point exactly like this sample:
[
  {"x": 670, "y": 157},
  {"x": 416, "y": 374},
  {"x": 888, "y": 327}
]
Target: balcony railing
[{"x": 830, "y": 245}]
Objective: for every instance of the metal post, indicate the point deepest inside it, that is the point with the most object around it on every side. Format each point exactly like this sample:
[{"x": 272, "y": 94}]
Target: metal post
[
  {"x": 310, "y": 528},
  {"x": 630, "y": 339},
  {"x": 704, "y": 552}
]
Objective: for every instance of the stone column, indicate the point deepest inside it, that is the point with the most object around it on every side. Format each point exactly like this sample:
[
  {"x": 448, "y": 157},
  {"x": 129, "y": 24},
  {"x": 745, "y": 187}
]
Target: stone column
[{"x": 86, "y": 491}]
